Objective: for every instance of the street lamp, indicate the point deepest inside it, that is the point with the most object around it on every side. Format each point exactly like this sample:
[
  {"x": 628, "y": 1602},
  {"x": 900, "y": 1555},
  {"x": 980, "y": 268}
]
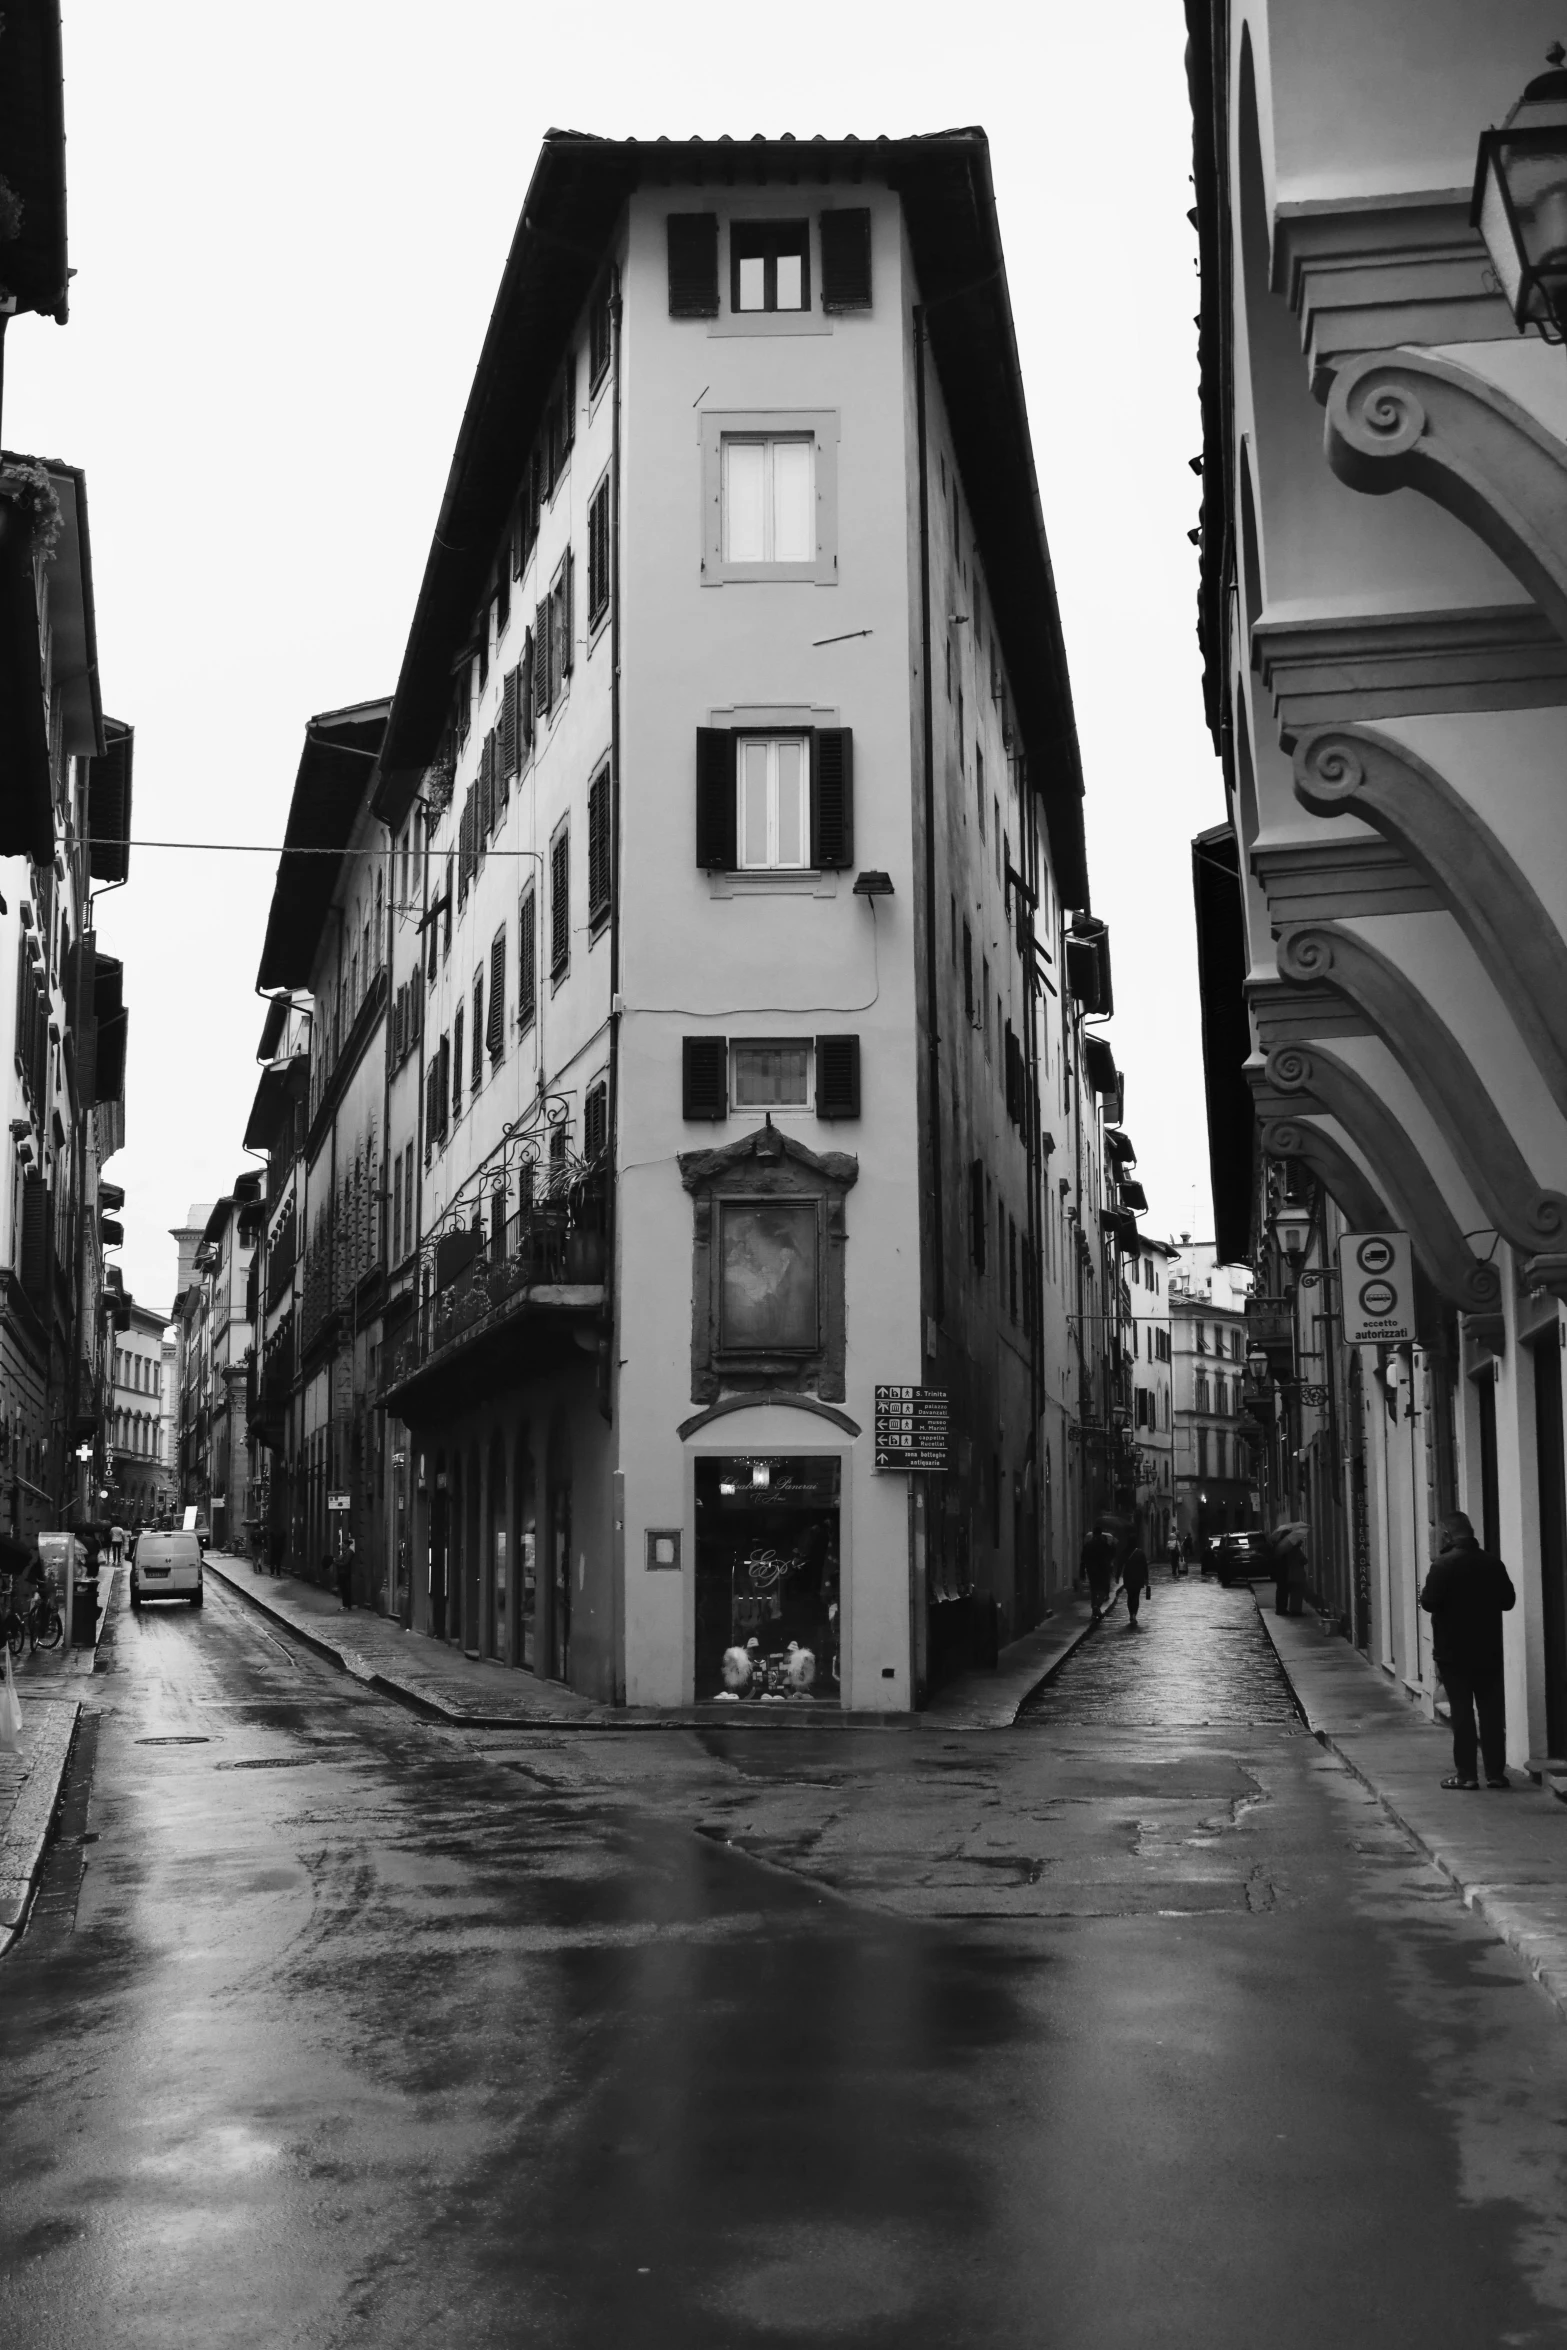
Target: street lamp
[
  {"x": 1292, "y": 1226},
  {"x": 1257, "y": 1364},
  {"x": 1520, "y": 201}
]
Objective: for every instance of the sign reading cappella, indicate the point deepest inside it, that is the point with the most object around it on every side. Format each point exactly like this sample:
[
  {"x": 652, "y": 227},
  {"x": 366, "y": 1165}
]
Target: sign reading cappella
[
  {"x": 1377, "y": 1288},
  {"x": 912, "y": 1428}
]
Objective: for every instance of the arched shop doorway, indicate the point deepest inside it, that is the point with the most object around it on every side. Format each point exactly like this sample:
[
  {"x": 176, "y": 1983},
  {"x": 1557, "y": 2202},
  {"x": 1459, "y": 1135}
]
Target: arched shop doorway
[{"x": 768, "y": 1613}]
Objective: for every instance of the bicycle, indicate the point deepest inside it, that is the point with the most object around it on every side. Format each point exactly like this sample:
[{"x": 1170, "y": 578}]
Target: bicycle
[
  {"x": 45, "y": 1622},
  {"x": 13, "y": 1620}
]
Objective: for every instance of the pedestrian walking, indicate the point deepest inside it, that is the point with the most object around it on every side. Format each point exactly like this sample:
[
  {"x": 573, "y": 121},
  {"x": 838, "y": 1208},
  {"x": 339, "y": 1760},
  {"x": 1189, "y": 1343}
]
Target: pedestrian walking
[
  {"x": 345, "y": 1571},
  {"x": 1466, "y": 1595},
  {"x": 1288, "y": 1546},
  {"x": 1135, "y": 1582},
  {"x": 1177, "y": 1559},
  {"x": 1098, "y": 1564},
  {"x": 116, "y": 1544}
]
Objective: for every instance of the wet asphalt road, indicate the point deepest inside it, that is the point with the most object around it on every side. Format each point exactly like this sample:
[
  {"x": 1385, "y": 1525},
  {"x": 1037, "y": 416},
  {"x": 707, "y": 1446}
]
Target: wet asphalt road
[{"x": 1136, "y": 2025}]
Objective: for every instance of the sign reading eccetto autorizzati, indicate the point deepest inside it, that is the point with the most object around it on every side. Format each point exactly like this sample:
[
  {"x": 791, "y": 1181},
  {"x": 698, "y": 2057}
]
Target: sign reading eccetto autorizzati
[{"x": 1377, "y": 1289}]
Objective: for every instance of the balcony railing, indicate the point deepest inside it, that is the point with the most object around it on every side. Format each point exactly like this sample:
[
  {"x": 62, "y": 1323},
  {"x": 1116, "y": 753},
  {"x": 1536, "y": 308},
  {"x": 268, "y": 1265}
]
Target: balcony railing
[{"x": 477, "y": 1277}]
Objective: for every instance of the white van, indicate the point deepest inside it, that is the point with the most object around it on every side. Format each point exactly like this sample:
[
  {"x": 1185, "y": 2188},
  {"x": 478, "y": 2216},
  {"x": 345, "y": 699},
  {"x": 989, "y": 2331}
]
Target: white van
[{"x": 166, "y": 1566}]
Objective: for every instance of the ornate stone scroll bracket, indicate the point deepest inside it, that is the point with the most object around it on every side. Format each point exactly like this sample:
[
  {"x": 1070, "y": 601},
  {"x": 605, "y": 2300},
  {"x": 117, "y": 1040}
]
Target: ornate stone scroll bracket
[
  {"x": 1354, "y": 771},
  {"x": 1408, "y": 420},
  {"x": 1329, "y": 1086},
  {"x": 1323, "y": 955},
  {"x": 1356, "y": 1194}
]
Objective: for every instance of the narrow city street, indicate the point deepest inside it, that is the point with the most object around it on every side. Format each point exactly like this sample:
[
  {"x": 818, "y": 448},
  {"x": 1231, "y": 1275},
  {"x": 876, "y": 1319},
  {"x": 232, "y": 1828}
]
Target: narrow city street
[{"x": 1137, "y": 2024}]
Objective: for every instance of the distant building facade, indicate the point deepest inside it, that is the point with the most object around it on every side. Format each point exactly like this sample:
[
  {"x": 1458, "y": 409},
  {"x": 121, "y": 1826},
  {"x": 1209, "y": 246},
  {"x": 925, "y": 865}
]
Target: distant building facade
[{"x": 1214, "y": 1463}]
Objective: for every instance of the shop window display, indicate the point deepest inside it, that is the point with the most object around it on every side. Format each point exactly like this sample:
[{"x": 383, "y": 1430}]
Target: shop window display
[{"x": 767, "y": 1592}]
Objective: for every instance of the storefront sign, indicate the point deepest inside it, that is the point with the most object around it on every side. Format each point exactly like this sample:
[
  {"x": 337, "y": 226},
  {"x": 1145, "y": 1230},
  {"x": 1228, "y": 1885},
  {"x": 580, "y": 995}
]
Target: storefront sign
[
  {"x": 913, "y": 1428},
  {"x": 1377, "y": 1288}
]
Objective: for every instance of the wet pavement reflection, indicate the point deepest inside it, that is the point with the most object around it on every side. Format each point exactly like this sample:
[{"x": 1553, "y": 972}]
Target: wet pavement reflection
[
  {"x": 336, "y": 2027},
  {"x": 1197, "y": 1657}
]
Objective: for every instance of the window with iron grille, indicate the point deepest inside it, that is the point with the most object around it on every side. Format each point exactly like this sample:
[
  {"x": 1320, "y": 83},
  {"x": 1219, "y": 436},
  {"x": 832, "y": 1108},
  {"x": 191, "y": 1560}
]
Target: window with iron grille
[
  {"x": 598, "y": 846},
  {"x": 595, "y": 1122},
  {"x": 598, "y": 554},
  {"x": 495, "y": 1025},
  {"x": 560, "y": 904},
  {"x": 527, "y": 958}
]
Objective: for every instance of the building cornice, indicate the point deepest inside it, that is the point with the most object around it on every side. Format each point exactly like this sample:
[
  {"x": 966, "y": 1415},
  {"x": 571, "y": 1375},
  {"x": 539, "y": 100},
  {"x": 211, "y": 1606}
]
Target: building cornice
[
  {"x": 1363, "y": 273},
  {"x": 1350, "y": 873},
  {"x": 1352, "y": 771},
  {"x": 1320, "y": 669}
]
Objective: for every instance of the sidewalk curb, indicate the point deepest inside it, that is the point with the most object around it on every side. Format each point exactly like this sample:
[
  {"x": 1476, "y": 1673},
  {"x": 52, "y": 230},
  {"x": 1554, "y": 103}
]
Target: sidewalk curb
[
  {"x": 29, "y": 1831},
  {"x": 428, "y": 1708},
  {"x": 1492, "y": 1903}
]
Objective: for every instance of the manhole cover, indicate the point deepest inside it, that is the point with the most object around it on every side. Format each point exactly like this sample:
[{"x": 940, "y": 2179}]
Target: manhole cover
[{"x": 194, "y": 1741}]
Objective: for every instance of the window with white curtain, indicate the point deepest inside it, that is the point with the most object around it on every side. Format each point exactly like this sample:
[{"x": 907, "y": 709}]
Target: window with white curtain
[
  {"x": 773, "y": 827},
  {"x": 769, "y": 498}
]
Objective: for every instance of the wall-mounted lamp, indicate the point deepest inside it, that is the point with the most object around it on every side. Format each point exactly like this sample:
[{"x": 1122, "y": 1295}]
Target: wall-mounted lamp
[
  {"x": 1520, "y": 202},
  {"x": 873, "y": 884}
]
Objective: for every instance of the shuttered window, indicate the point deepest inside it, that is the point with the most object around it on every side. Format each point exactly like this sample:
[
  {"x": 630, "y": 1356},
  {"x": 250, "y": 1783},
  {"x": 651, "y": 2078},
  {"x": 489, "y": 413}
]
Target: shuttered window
[
  {"x": 1014, "y": 1078},
  {"x": 598, "y": 846},
  {"x": 476, "y": 1073},
  {"x": 765, "y": 802},
  {"x": 34, "y": 1266},
  {"x": 693, "y": 264},
  {"x": 525, "y": 698},
  {"x": 598, "y": 336},
  {"x": 595, "y": 1122},
  {"x": 541, "y": 659},
  {"x": 846, "y": 259},
  {"x": 527, "y": 959},
  {"x": 704, "y": 1078},
  {"x": 511, "y": 689},
  {"x": 456, "y": 1064},
  {"x": 561, "y": 625},
  {"x": 978, "y": 1225},
  {"x": 837, "y": 1077},
  {"x": 560, "y": 903},
  {"x": 598, "y": 554},
  {"x": 495, "y": 1025}
]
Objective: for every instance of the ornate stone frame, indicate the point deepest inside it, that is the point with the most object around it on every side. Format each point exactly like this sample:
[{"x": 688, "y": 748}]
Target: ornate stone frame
[{"x": 767, "y": 1164}]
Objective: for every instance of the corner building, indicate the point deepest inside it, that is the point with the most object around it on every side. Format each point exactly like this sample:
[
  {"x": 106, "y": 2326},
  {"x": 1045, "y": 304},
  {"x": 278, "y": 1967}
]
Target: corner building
[{"x": 727, "y": 907}]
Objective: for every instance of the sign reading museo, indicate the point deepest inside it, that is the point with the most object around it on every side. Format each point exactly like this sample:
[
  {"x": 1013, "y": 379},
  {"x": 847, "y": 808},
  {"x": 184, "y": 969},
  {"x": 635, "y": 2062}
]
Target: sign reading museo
[
  {"x": 912, "y": 1428},
  {"x": 1377, "y": 1288}
]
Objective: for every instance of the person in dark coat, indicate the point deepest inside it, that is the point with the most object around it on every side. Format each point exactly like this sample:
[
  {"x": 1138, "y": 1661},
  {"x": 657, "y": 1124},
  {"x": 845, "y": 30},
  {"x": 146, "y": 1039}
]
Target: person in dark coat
[
  {"x": 1466, "y": 1595},
  {"x": 1098, "y": 1564},
  {"x": 1134, "y": 1581}
]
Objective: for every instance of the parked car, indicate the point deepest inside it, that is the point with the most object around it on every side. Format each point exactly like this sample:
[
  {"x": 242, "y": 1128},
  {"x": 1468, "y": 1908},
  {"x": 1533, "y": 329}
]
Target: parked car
[
  {"x": 1239, "y": 1556},
  {"x": 167, "y": 1566}
]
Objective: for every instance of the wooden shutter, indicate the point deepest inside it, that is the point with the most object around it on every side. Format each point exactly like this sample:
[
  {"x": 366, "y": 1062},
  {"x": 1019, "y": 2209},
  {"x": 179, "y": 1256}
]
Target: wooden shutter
[
  {"x": 525, "y": 697},
  {"x": 568, "y": 402},
  {"x": 527, "y": 959},
  {"x": 495, "y": 1026},
  {"x": 509, "y": 716},
  {"x": 595, "y": 1123},
  {"x": 837, "y": 1077},
  {"x": 568, "y": 572},
  {"x": 476, "y": 1073},
  {"x": 846, "y": 259},
  {"x": 455, "y": 1065},
  {"x": 832, "y": 797},
  {"x": 444, "y": 1079},
  {"x": 598, "y": 844},
  {"x": 693, "y": 265},
  {"x": 34, "y": 1267},
  {"x": 1014, "y": 1077},
  {"x": 541, "y": 659},
  {"x": 704, "y": 1078},
  {"x": 560, "y": 903},
  {"x": 715, "y": 799},
  {"x": 976, "y": 1213}
]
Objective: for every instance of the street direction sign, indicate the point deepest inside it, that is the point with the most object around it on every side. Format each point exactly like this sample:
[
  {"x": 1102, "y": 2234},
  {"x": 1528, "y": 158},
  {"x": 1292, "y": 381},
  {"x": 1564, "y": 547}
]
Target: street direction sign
[
  {"x": 1376, "y": 1286},
  {"x": 339, "y": 1501},
  {"x": 913, "y": 1428}
]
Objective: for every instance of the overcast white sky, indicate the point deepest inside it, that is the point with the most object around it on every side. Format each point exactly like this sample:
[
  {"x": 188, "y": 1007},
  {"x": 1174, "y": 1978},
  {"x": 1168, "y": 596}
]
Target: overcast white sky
[{"x": 288, "y": 227}]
